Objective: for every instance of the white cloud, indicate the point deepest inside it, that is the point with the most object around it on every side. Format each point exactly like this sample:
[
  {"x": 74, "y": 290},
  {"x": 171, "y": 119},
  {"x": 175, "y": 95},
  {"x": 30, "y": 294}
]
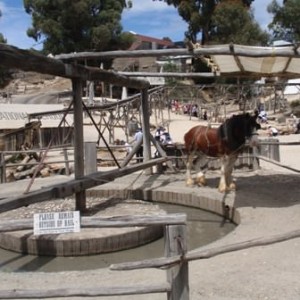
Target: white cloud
[
  {"x": 144, "y": 6},
  {"x": 262, "y": 17},
  {"x": 154, "y": 18},
  {"x": 14, "y": 23}
]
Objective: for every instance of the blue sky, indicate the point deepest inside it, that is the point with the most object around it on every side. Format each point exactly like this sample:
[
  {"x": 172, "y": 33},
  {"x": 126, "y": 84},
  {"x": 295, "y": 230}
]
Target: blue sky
[{"x": 155, "y": 19}]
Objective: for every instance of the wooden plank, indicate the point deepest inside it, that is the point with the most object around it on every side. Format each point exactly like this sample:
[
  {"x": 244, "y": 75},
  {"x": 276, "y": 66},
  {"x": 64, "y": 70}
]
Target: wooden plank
[
  {"x": 163, "y": 262},
  {"x": 98, "y": 222},
  {"x": 69, "y": 188},
  {"x": 274, "y": 162},
  {"x": 83, "y": 292}
]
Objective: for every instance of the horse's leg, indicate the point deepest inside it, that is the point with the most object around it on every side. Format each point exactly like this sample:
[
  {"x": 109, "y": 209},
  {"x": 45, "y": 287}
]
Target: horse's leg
[
  {"x": 229, "y": 180},
  {"x": 224, "y": 165},
  {"x": 226, "y": 180},
  {"x": 189, "y": 179},
  {"x": 200, "y": 165}
]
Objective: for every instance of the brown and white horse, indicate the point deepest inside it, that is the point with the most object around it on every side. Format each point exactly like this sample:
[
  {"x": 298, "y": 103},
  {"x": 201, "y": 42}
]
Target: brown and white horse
[{"x": 225, "y": 142}]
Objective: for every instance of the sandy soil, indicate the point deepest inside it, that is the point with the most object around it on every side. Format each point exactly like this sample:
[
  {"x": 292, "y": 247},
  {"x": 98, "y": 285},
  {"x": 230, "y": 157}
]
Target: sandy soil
[{"x": 269, "y": 203}]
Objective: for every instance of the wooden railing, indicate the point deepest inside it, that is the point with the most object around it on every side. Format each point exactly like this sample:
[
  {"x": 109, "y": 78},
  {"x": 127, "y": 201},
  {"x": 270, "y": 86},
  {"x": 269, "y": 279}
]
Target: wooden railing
[{"x": 269, "y": 151}]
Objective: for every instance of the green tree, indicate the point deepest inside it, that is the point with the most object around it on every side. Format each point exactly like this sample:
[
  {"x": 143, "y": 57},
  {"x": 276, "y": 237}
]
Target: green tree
[
  {"x": 65, "y": 26},
  {"x": 5, "y": 75},
  {"x": 198, "y": 14},
  {"x": 286, "y": 20},
  {"x": 232, "y": 22}
]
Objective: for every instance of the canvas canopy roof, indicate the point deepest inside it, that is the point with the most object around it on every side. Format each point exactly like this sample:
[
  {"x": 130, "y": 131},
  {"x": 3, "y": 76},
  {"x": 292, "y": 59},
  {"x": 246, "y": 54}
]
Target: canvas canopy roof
[
  {"x": 238, "y": 60},
  {"x": 293, "y": 89}
]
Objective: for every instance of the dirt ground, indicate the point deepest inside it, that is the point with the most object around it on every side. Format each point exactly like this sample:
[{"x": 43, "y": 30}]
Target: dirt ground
[{"x": 269, "y": 204}]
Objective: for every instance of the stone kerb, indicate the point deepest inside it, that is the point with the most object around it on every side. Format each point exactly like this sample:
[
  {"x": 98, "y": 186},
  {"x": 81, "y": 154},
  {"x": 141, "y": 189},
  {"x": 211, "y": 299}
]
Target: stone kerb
[{"x": 185, "y": 198}]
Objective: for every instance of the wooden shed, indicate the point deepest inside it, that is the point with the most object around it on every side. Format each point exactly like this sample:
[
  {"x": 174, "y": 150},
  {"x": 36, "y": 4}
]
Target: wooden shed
[{"x": 34, "y": 124}]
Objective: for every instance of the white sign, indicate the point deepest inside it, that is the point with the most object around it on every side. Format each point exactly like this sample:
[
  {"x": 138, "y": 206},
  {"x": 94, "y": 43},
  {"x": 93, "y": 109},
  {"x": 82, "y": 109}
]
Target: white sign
[{"x": 56, "y": 222}]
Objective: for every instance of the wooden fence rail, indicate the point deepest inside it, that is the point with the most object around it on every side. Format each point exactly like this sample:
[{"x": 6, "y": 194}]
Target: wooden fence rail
[{"x": 164, "y": 262}]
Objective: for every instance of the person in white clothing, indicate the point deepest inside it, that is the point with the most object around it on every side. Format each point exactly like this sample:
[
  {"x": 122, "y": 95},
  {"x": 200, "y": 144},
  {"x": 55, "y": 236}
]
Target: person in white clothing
[
  {"x": 272, "y": 131},
  {"x": 138, "y": 137}
]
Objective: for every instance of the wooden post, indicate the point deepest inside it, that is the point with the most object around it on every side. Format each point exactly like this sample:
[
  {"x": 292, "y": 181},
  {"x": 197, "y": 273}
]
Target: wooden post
[
  {"x": 80, "y": 197},
  {"x": 65, "y": 151},
  {"x": 177, "y": 276},
  {"x": 3, "y": 169},
  {"x": 90, "y": 154},
  {"x": 270, "y": 150},
  {"x": 146, "y": 128},
  {"x": 255, "y": 158}
]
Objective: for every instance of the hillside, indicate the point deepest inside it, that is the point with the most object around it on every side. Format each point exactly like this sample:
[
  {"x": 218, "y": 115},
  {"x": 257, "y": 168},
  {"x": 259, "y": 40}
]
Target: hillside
[{"x": 35, "y": 88}]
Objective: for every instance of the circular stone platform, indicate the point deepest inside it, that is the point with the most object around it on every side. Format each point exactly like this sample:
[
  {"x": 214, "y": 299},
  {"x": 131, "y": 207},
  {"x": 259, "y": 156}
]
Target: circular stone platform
[
  {"x": 110, "y": 200},
  {"x": 89, "y": 240}
]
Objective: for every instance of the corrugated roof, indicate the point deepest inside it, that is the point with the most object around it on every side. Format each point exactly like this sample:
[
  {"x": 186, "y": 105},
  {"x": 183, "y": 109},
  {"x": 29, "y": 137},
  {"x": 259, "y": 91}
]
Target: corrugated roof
[{"x": 14, "y": 116}]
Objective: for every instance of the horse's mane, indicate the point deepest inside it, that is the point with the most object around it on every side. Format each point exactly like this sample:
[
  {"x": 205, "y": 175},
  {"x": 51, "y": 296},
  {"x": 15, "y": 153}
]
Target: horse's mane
[{"x": 228, "y": 131}]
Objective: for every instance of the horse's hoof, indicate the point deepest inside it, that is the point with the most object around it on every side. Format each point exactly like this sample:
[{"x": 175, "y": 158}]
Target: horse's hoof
[
  {"x": 222, "y": 190},
  {"x": 201, "y": 181},
  {"x": 189, "y": 182},
  {"x": 232, "y": 187}
]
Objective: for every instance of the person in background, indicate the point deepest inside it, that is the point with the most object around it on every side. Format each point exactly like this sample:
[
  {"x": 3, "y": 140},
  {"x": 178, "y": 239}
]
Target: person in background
[
  {"x": 272, "y": 131},
  {"x": 159, "y": 132},
  {"x": 137, "y": 138},
  {"x": 165, "y": 138},
  {"x": 262, "y": 116}
]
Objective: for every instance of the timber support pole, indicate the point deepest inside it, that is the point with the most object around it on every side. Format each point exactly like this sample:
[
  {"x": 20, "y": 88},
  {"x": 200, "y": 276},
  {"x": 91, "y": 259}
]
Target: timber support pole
[
  {"x": 146, "y": 128},
  {"x": 80, "y": 197},
  {"x": 177, "y": 275}
]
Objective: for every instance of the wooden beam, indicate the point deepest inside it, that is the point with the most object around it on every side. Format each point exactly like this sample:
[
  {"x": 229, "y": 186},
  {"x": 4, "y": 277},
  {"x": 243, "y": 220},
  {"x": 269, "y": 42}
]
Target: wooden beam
[
  {"x": 83, "y": 292},
  {"x": 236, "y": 58},
  {"x": 239, "y": 50},
  {"x": 26, "y": 60},
  {"x": 66, "y": 189},
  {"x": 107, "y": 222},
  {"x": 168, "y": 74}
]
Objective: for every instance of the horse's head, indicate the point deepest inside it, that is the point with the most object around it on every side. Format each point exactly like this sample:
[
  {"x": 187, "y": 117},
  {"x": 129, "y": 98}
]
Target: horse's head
[
  {"x": 251, "y": 129},
  {"x": 238, "y": 129}
]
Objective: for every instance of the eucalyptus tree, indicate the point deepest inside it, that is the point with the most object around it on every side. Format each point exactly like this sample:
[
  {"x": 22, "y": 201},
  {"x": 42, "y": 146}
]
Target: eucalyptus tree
[
  {"x": 5, "y": 75},
  {"x": 232, "y": 22},
  {"x": 65, "y": 26},
  {"x": 198, "y": 14},
  {"x": 286, "y": 20}
]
